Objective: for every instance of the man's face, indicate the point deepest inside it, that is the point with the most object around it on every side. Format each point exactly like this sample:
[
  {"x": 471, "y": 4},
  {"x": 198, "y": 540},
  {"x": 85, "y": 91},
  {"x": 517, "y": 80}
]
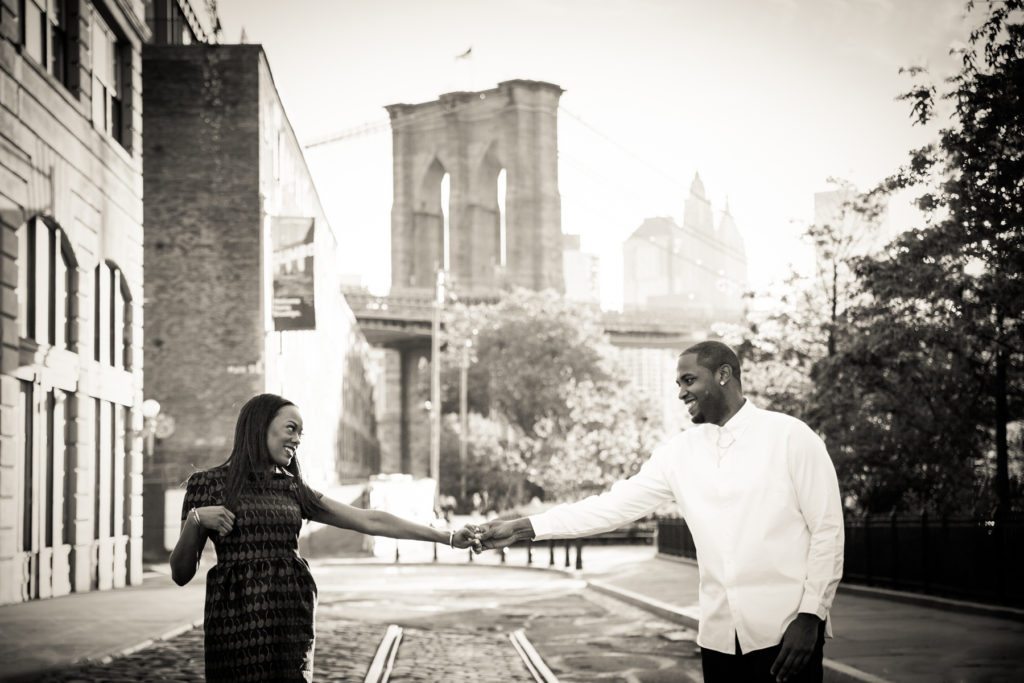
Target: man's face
[{"x": 699, "y": 389}]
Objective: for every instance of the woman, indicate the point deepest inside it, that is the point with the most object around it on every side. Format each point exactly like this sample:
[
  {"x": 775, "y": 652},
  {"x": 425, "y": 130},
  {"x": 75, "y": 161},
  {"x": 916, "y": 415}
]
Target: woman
[{"x": 260, "y": 596}]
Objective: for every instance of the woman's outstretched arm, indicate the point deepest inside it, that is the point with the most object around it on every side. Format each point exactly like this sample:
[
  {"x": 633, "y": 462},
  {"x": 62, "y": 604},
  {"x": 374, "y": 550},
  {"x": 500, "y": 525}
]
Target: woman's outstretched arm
[{"x": 380, "y": 523}]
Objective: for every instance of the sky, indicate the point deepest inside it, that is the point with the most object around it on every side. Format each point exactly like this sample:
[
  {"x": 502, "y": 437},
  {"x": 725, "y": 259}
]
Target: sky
[{"x": 766, "y": 99}]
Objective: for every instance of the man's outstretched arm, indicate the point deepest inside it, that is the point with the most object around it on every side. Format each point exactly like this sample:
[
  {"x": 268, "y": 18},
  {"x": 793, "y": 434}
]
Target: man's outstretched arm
[
  {"x": 502, "y": 534},
  {"x": 627, "y": 500}
]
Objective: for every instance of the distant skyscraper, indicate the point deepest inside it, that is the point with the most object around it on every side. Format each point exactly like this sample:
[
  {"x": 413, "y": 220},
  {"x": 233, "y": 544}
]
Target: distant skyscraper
[
  {"x": 697, "y": 271},
  {"x": 581, "y": 272}
]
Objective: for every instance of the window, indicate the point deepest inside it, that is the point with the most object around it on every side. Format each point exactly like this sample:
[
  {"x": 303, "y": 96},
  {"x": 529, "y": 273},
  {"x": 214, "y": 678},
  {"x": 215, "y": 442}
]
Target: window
[
  {"x": 108, "y": 76},
  {"x": 45, "y": 34},
  {"x": 168, "y": 23},
  {"x": 47, "y": 285},
  {"x": 112, "y": 311},
  {"x": 66, "y": 415}
]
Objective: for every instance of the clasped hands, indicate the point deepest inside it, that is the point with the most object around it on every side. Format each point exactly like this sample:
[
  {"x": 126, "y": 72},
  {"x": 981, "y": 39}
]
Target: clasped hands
[{"x": 488, "y": 536}]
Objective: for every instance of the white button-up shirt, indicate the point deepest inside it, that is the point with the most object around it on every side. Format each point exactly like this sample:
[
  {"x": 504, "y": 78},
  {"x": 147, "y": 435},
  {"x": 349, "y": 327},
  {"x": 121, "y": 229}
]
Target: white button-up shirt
[{"x": 761, "y": 498}]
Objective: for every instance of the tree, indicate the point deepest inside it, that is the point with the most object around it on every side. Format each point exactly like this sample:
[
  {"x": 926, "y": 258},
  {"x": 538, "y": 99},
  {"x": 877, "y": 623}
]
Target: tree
[
  {"x": 545, "y": 393},
  {"x": 526, "y": 349},
  {"x": 606, "y": 436},
  {"x": 936, "y": 361},
  {"x": 808, "y": 321}
]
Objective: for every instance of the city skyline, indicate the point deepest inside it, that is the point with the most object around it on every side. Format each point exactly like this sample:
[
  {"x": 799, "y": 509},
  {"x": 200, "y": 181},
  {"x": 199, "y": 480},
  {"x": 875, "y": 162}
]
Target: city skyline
[{"x": 766, "y": 100}]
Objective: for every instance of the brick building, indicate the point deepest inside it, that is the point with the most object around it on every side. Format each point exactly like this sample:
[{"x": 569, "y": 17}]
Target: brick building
[
  {"x": 223, "y": 172},
  {"x": 72, "y": 291}
]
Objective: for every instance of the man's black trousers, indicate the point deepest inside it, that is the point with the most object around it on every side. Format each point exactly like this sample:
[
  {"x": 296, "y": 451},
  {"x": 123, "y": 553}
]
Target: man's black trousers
[{"x": 755, "y": 666}]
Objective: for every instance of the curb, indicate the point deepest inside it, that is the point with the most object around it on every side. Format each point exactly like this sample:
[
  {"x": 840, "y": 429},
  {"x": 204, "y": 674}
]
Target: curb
[
  {"x": 835, "y": 672},
  {"x": 919, "y": 599},
  {"x": 132, "y": 649}
]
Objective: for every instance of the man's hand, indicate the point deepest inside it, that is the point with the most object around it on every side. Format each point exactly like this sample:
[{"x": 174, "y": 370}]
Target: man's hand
[
  {"x": 501, "y": 534},
  {"x": 798, "y": 643},
  {"x": 466, "y": 537}
]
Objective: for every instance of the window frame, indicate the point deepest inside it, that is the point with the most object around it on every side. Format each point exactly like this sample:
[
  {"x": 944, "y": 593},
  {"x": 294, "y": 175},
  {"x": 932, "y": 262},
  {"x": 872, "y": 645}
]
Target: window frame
[
  {"x": 109, "y": 102},
  {"x": 53, "y": 46},
  {"x": 48, "y": 285}
]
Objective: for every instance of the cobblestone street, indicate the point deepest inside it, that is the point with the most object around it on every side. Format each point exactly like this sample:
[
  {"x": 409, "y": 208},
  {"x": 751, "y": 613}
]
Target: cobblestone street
[
  {"x": 456, "y": 623},
  {"x": 344, "y": 652}
]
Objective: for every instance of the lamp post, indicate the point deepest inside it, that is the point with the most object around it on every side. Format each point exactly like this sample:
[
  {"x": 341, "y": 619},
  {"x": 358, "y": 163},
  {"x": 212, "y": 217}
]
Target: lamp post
[
  {"x": 463, "y": 416},
  {"x": 435, "y": 386}
]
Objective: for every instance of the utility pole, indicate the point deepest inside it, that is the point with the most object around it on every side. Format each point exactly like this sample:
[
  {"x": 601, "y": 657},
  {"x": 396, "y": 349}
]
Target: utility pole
[
  {"x": 435, "y": 385},
  {"x": 463, "y": 416}
]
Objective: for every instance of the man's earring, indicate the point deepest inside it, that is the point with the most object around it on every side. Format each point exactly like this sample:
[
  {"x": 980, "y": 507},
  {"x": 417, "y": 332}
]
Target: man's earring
[{"x": 722, "y": 382}]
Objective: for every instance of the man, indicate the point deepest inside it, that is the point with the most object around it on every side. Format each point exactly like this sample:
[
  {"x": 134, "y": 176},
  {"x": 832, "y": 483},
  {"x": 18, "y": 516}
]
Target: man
[{"x": 761, "y": 498}]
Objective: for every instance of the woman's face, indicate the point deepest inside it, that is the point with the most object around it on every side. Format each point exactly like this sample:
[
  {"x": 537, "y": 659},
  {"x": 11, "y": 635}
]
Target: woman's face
[{"x": 284, "y": 435}]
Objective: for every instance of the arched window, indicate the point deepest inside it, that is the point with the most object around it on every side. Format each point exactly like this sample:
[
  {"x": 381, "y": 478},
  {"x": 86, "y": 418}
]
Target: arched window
[
  {"x": 502, "y": 234},
  {"x": 112, "y": 314},
  {"x": 446, "y": 216},
  {"x": 47, "y": 285}
]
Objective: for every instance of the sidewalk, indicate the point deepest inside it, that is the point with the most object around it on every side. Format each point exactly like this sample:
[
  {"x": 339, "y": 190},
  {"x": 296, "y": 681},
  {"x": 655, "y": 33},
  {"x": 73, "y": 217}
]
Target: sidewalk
[
  {"x": 875, "y": 639},
  {"x": 43, "y": 634}
]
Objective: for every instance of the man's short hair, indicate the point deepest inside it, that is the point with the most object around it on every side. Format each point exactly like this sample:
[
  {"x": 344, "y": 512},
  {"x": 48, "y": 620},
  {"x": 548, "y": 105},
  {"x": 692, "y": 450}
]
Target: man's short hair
[{"x": 713, "y": 355}]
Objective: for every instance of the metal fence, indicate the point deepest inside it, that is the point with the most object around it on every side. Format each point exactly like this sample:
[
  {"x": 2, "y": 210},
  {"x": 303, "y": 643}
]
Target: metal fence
[{"x": 966, "y": 559}]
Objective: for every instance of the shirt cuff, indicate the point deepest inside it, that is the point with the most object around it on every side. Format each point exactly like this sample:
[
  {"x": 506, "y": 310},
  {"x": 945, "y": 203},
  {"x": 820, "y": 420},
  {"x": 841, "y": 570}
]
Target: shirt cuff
[
  {"x": 541, "y": 530},
  {"x": 812, "y": 605}
]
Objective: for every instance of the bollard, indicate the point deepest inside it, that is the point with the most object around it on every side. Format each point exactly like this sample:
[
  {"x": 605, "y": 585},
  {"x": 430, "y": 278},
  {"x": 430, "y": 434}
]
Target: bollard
[
  {"x": 503, "y": 555},
  {"x": 470, "y": 555},
  {"x": 529, "y": 553},
  {"x": 435, "y": 551},
  {"x": 579, "y": 555},
  {"x": 567, "y": 544},
  {"x": 396, "y": 552},
  {"x": 551, "y": 547}
]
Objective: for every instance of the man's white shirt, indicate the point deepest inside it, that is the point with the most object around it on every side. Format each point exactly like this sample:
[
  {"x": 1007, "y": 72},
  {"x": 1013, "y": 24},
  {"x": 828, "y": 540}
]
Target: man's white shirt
[{"x": 761, "y": 498}]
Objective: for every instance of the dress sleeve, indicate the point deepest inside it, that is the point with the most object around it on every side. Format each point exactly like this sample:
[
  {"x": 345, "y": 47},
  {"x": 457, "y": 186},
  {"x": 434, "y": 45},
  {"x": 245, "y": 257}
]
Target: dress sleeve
[
  {"x": 314, "y": 499},
  {"x": 197, "y": 493}
]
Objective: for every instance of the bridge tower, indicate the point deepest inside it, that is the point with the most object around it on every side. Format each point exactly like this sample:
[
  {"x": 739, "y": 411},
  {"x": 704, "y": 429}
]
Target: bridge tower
[
  {"x": 473, "y": 137},
  {"x": 505, "y": 139}
]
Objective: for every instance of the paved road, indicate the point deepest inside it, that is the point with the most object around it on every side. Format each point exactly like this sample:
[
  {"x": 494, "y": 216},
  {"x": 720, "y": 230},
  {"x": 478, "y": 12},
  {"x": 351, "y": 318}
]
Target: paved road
[{"x": 456, "y": 622}]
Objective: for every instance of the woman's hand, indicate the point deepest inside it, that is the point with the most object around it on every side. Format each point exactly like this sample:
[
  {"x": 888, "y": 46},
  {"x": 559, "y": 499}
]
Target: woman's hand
[
  {"x": 216, "y": 518},
  {"x": 466, "y": 537}
]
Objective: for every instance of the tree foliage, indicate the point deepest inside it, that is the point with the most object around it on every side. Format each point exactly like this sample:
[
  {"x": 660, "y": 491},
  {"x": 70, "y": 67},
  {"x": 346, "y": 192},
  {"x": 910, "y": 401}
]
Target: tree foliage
[
  {"x": 550, "y": 411},
  {"x": 931, "y": 373}
]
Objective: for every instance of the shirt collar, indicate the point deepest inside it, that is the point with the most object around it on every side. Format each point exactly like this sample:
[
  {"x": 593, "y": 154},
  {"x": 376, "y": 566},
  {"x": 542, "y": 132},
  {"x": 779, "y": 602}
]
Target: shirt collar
[{"x": 742, "y": 417}]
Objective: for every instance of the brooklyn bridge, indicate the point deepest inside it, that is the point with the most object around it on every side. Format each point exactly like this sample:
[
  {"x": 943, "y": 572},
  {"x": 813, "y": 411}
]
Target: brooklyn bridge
[{"x": 476, "y": 198}]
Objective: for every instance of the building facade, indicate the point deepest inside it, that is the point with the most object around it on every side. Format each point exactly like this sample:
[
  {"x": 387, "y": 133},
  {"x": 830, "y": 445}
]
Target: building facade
[
  {"x": 696, "y": 272},
  {"x": 233, "y": 213},
  {"x": 582, "y": 272},
  {"x": 71, "y": 274}
]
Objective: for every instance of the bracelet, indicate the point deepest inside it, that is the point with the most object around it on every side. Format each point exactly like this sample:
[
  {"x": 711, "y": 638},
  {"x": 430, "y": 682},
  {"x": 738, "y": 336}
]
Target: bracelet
[
  {"x": 451, "y": 539},
  {"x": 195, "y": 516}
]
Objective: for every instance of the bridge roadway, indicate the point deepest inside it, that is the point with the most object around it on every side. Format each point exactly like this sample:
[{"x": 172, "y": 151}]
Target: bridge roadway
[{"x": 405, "y": 319}]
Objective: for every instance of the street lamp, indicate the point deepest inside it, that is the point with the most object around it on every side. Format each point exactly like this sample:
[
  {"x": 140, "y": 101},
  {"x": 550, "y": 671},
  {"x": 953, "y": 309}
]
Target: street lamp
[{"x": 150, "y": 412}]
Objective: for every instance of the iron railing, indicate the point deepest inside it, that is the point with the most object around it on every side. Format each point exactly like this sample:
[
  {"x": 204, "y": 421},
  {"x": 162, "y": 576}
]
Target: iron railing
[{"x": 966, "y": 559}]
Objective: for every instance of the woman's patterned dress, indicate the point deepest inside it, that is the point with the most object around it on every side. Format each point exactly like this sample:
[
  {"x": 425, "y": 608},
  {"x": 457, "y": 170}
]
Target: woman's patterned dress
[{"x": 260, "y": 596}]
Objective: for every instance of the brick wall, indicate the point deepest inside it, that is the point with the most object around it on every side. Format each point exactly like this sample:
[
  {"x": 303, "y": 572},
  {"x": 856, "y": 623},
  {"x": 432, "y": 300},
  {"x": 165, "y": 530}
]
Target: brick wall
[
  {"x": 204, "y": 337},
  {"x": 221, "y": 160}
]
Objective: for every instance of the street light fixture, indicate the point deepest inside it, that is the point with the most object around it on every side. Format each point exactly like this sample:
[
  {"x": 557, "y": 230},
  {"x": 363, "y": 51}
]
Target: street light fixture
[{"x": 150, "y": 412}]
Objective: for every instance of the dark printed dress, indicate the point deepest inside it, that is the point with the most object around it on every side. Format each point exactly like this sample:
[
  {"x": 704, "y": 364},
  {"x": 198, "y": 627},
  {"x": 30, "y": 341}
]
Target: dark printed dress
[{"x": 260, "y": 596}]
